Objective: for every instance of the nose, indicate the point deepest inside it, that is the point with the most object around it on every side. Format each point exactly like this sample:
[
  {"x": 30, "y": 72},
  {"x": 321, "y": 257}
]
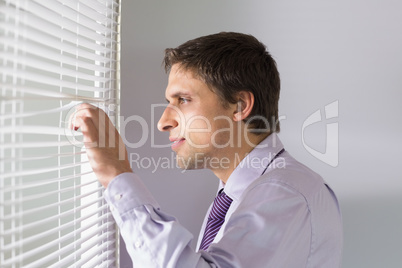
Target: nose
[{"x": 168, "y": 120}]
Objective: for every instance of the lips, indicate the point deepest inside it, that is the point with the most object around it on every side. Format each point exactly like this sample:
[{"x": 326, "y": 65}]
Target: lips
[{"x": 176, "y": 142}]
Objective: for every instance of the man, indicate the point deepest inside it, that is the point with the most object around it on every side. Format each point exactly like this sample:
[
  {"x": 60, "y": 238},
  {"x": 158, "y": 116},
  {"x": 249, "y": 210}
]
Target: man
[{"x": 222, "y": 114}]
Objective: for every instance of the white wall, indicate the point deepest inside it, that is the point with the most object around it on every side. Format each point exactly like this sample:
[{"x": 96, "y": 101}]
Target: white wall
[{"x": 345, "y": 51}]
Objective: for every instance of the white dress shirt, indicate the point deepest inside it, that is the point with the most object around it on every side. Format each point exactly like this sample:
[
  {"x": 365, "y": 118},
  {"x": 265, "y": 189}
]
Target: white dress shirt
[{"x": 281, "y": 216}]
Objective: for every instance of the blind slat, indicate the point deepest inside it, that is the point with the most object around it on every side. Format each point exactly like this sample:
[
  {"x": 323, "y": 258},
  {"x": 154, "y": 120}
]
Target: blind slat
[
  {"x": 41, "y": 170},
  {"x": 40, "y": 51},
  {"x": 105, "y": 257},
  {"x": 37, "y": 183},
  {"x": 35, "y": 144},
  {"x": 95, "y": 239},
  {"x": 54, "y": 42},
  {"x": 86, "y": 248},
  {"x": 63, "y": 250},
  {"x": 61, "y": 9},
  {"x": 53, "y": 56},
  {"x": 67, "y": 213},
  {"x": 38, "y": 15},
  {"x": 48, "y": 94},
  {"x": 54, "y": 69},
  {"x": 102, "y": 8},
  {"x": 23, "y": 159},
  {"x": 56, "y": 230},
  {"x": 42, "y": 112},
  {"x": 70, "y": 42},
  {"x": 39, "y": 209},
  {"x": 46, "y": 80},
  {"x": 34, "y": 197},
  {"x": 85, "y": 10},
  {"x": 109, "y": 2},
  {"x": 44, "y": 130},
  {"x": 86, "y": 29}
]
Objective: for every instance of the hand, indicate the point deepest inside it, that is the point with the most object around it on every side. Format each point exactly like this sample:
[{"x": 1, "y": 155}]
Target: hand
[{"x": 106, "y": 151}]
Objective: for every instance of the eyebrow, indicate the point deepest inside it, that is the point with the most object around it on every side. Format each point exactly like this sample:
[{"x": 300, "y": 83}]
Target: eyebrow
[{"x": 178, "y": 94}]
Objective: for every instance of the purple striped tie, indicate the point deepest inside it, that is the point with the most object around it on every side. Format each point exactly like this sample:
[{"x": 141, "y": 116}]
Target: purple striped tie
[{"x": 215, "y": 219}]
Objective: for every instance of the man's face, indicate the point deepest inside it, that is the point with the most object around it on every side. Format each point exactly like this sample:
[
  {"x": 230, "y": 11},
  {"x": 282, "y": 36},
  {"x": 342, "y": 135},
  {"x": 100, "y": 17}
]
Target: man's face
[{"x": 200, "y": 128}]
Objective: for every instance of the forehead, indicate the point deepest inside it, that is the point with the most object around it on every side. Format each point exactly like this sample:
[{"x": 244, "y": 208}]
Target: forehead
[{"x": 185, "y": 81}]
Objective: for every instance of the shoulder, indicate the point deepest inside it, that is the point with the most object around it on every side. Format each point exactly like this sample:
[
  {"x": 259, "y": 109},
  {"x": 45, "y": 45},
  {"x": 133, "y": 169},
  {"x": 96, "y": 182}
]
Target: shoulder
[
  {"x": 287, "y": 173},
  {"x": 291, "y": 199},
  {"x": 288, "y": 181}
]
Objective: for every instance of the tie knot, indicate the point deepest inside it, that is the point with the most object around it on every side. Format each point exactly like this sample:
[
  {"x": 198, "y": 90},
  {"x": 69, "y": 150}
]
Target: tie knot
[{"x": 220, "y": 207}]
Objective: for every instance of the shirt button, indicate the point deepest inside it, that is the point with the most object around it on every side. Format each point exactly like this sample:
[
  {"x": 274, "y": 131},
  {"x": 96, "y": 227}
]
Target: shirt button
[
  {"x": 111, "y": 208},
  {"x": 118, "y": 197},
  {"x": 137, "y": 244}
]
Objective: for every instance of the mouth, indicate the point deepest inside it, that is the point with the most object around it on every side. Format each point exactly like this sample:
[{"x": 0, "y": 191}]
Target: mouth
[{"x": 177, "y": 142}]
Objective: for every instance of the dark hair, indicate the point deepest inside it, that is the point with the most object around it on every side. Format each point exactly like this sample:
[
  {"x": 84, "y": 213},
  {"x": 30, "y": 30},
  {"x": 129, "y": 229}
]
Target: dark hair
[{"x": 230, "y": 62}]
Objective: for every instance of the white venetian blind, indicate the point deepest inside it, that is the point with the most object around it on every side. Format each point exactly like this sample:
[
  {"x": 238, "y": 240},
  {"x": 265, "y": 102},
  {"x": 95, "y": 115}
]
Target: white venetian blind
[{"x": 54, "y": 54}]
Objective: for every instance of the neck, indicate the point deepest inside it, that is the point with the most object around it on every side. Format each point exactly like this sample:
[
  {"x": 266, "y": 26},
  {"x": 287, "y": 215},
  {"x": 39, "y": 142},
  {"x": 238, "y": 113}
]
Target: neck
[{"x": 235, "y": 155}]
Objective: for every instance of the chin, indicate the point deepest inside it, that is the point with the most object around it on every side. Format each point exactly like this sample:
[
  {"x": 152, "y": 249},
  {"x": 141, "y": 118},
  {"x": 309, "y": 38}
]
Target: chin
[{"x": 190, "y": 162}]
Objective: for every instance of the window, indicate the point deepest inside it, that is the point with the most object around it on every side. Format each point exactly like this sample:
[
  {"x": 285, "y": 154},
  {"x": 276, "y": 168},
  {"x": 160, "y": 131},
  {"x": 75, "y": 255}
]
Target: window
[{"x": 54, "y": 55}]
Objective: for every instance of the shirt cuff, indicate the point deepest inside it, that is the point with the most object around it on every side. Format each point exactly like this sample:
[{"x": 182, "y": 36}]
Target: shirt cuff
[{"x": 127, "y": 192}]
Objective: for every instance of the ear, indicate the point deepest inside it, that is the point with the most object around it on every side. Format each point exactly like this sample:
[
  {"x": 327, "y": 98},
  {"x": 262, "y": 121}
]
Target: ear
[{"x": 245, "y": 104}]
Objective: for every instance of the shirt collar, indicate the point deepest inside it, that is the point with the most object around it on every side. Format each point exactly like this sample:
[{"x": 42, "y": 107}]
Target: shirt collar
[{"x": 252, "y": 166}]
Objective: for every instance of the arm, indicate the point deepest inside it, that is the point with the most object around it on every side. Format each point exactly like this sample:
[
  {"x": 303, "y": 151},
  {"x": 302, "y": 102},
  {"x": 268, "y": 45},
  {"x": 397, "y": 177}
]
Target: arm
[
  {"x": 269, "y": 228},
  {"x": 151, "y": 237},
  {"x": 273, "y": 233}
]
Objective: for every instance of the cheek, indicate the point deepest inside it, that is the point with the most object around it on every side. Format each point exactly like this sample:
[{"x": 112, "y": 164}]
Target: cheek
[
  {"x": 223, "y": 132},
  {"x": 199, "y": 130}
]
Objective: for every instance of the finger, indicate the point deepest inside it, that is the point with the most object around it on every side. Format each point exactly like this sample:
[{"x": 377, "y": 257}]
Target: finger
[
  {"x": 89, "y": 131},
  {"x": 79, "y": 110},
  {"x": 99, "y": 117},
  {"x": 82, "y": 111}
]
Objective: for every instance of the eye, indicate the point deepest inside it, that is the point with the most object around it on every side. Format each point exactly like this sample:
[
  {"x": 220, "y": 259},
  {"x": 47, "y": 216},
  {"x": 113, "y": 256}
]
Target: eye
[{"x": 183, "y": 100}]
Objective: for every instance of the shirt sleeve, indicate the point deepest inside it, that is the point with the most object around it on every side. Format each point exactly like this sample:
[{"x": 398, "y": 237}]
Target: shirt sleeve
[
  {"x": 153, "y": 238},
  {"x": 270, "y": 227}
]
